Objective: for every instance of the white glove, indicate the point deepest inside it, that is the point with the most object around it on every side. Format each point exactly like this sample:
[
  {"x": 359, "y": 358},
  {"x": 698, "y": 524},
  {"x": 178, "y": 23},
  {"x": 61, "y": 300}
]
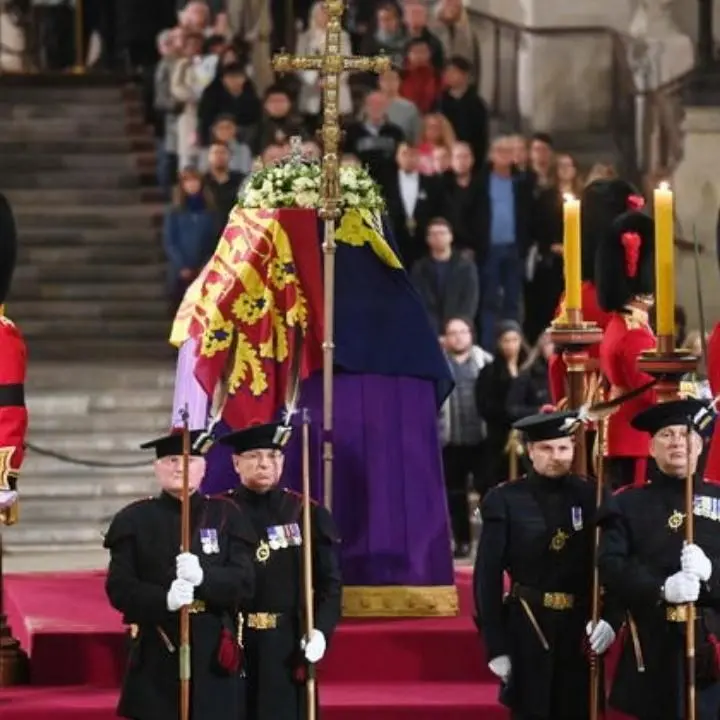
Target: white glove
[
  {"x": 314, "y": 646},
  {"x": 181, "y": 593},
  {"x": 695, "y": 562},
  {"x": 600, "y": 638},
  {"x": 681, "y": 588},
  {"x": 7, "y": 498},
  {"x": 501, "y": 667},
  {"x": 188, "y": 568}
]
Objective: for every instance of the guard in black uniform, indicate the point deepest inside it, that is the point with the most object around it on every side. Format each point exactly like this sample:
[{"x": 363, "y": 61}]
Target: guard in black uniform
[
  {"x": 540, "y": 529},
  {"x": 276, "y": 649},
  {"x": 645, "y": 564},
  {"x": 148, "y": 582}
]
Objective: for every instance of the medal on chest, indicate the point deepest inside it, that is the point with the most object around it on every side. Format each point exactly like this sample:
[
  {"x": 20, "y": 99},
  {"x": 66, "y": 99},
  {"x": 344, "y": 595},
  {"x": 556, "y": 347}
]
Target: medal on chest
[
  {"x": 209, "y": 541},
  {"x": 262, "y": 554},
  {"x": 559, "y": 539},
  {"x": 676, "y": 520}
]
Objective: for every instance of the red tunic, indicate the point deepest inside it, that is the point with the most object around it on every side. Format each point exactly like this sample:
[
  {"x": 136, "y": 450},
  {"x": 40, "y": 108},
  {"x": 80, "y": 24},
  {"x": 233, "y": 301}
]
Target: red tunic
[
  {"x": 712, "y": 466},
  {"x": 592, "y": 312},
  {"x": 13, "y": 413},
  {"x": 625, "y": 338}
]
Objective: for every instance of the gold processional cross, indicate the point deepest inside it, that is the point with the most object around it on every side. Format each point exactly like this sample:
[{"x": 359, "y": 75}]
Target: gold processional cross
[{"x": 330, "y": 65}]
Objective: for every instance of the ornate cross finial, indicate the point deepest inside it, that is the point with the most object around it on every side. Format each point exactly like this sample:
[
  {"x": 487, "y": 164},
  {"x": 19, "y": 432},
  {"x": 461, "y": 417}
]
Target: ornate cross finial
[{"x": 330, "y": 65}]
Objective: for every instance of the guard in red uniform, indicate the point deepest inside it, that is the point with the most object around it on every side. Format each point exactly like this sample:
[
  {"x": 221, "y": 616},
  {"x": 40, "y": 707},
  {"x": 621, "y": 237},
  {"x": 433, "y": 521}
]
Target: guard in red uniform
[
  {"x": 625, "y": 282},
  {"x": 602, "y": 201},
  {"x": 712, "y": 465},
  {"x": 13, "y": 366}
]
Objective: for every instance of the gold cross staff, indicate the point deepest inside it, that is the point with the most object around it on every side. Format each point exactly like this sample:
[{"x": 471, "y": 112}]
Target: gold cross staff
[{"x": 330, "y": 65}]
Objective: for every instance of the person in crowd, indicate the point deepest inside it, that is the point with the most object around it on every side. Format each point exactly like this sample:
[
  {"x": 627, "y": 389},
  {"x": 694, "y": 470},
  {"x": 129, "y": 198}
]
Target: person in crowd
[
  {"x": 521, "y": 154},
  {"x": 190, "y": 233},
  {"x": 149, "y": 583},
  {"x": 389, "y": 37},
  {"x": 421, "y": 82},
  {"x": 412, "y": 201},
  {"x": 374, "y": 139},
  {"x": 462, "y": 430},
  {"x": 491, "y": 396},
  {"x": 312, "y": 42},
  {"x": 222, "y": 183},
  {"x": 186, "y": 88},
  {"x": 462, "y": 197},
  {"x": 435, "y": 133},
  {"x": 452, "y": 27},
  {"x": 625, "y": 282},
  {"x": 400, "y": 111},
  {"x": 415, "y": 17},
  {"x": 279, "y": 122},
  {"x": 441, "y": 161},
  {"x": 540, "y": 639},
  {"x": 542, "y": 160},
  {"x": 601, "y": 171},
  {"x": 463, "y": 107},
  {"x": 13, "y": 375},
  {"x": 224, "y": 131},
  {"x": 544, "y": 267},
  {"x": 446, "y": 281},
  {"x": 277, "y": 648},
  {"x": 235, "y": 95},
  {"x": 531, "y": 391},
  {"x": 646, "y": 564},
  {"x": 501, "y": 238}
]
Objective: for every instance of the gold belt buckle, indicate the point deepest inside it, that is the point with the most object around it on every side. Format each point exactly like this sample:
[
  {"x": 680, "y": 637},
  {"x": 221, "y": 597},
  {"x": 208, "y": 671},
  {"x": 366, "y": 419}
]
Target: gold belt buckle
[
  {"x": 558, "y": 601},
  {"x": 676, "y": 613},
  {"x": 262, "y": 621},
  {"x": 197, "y": 606}
]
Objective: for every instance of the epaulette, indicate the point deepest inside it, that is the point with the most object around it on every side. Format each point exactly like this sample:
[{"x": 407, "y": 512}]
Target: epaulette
[
  {"x": 4, "y": 320},
  {"x": 635, "y": 319},
  {"x": 299, "y": 496}
]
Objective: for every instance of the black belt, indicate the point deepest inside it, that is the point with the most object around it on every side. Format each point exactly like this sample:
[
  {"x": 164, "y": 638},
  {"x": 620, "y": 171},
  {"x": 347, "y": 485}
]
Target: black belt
[{"x": 12, "y": 395}]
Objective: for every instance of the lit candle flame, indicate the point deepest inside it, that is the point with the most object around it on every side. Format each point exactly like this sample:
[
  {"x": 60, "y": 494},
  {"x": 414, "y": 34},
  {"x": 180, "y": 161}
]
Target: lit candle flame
[
  {"x": 665, "y": 186},
  {"x": 568, "y": 197}
]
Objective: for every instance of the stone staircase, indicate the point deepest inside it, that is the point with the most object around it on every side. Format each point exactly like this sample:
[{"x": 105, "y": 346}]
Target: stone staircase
[
  {"x": 94, "y": 413},
  {"x": 77, "y": 165}
]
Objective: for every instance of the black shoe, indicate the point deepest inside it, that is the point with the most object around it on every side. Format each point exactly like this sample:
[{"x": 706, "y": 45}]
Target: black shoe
[{"x": 462, "y": 551}]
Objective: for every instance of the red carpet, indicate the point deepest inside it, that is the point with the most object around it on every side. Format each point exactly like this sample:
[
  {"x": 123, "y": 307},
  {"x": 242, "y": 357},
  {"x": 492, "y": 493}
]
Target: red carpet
[
  {"x": 431, "y": 669},
  {"x": 394, "y": 669}
]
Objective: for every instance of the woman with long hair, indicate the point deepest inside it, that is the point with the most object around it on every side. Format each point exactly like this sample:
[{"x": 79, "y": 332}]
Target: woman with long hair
[{"x": 436, "y": 132}]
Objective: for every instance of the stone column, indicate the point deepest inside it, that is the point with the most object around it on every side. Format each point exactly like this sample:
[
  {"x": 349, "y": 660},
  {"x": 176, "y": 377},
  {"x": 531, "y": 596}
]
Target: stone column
[{"x": 12, "y": 43}]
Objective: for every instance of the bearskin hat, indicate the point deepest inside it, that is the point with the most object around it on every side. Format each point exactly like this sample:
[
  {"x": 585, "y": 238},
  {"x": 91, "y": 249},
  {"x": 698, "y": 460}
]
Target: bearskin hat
[
  {"x": 602, "y": 202},
  {"x": 625, "y": 263},
  {"x": 8, "y": 248}
]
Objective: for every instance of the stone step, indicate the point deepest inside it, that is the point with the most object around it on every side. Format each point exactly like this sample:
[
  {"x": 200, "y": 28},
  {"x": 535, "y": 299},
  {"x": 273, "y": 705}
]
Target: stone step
[
  {"x": 131, "y": 217},
  {"x": 108, "y": 486},
  {"x": 57, "y": 237},
  {"x": 44, "y": 427},
  {"x": 48, "y": 128},
  {"x": 94, "y": 145},
  {"x": 152, "y": 289},
  {"x": 92, "y": 511},
  {"x": 106, "y": 162},
  {"x": 70, "y": 402},
  {"x": 48, "y": 558},
  {"x": 52, "y": 95},
  {"x": 103, "y": 308},
  {"x": 153, "y": 330},
  {"x": 39, "y": 468},
  {"x": 22, "y": 111},
  {"x": 94, "y": 255},
  {"x": 99, "y": 349},
  {"x": 52, "y": 179},
  {"x": 86, "y": 197},
  {"x": 26, "y": 275},
  {"x": 77, "y": 444},
  {"x": 65, "y": 533},
  {"x": 93, "y": 377}
]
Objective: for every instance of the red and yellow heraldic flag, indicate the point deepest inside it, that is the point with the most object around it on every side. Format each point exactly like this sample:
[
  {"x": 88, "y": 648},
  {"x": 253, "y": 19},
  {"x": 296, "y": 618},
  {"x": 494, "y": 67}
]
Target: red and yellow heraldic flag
[{"x": 259, "y": 295}]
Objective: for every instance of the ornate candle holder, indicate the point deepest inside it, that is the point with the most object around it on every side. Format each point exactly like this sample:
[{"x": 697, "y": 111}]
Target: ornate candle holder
[
  {"x": 573, "y": 337},
  {"x": 667, "y": 365}
]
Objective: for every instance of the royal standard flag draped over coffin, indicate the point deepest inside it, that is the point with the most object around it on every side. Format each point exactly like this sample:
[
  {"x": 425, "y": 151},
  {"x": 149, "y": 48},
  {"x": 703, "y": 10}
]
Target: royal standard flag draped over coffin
[{"x": 262, "y": 292}]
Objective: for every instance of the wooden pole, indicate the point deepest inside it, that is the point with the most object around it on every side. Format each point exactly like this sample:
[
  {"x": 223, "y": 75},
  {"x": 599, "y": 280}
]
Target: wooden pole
[
  {"x": 690, "y": 622},
  {"x": 80, "y": 51},
  {"x": 595, "y": 610},
  {"x": 185, "y": 664},
  {"x": 308, "y": 591},
  {"x": 328, "y": 355}
]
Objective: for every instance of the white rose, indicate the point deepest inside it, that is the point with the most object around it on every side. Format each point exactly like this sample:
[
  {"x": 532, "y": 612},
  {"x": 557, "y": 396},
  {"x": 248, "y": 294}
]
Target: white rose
[
  {"x": 352, "y": 199},
  {"x": 307, "y": 199}
]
